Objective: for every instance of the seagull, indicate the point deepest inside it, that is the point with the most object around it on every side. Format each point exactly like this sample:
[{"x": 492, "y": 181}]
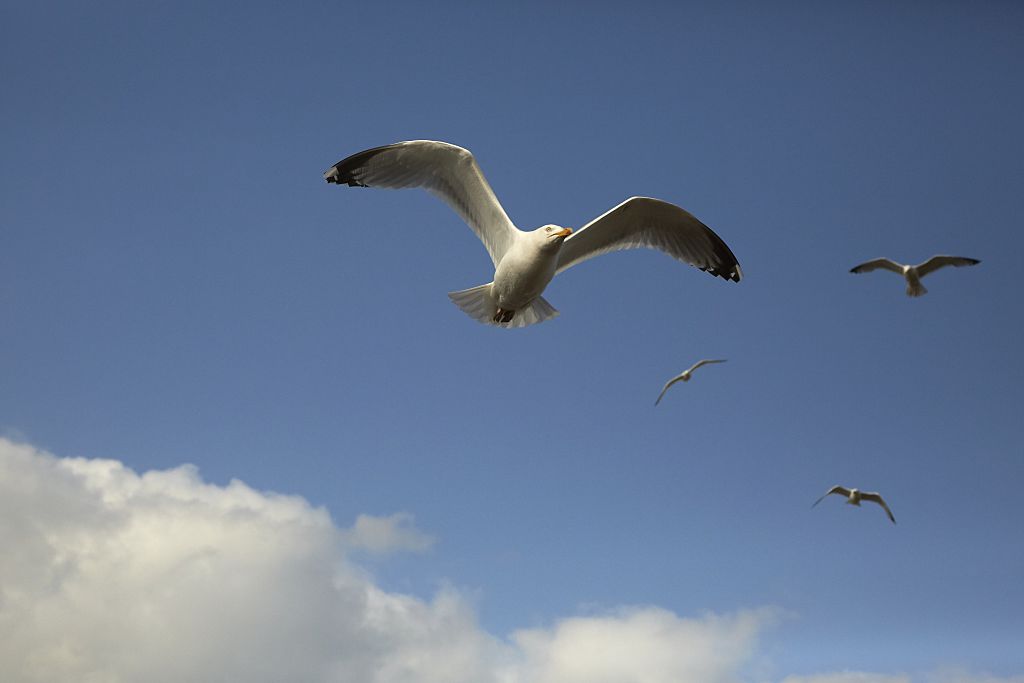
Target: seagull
[
  {"x": 685, "y": 376},
  {"x": 913, "y": 274},
  {"x": 526, "y": 261},
  {"x": 855, "y": 496}
]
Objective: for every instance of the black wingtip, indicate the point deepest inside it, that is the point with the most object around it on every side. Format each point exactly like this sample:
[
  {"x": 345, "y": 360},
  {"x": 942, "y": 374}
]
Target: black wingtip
[
  {"x": 347, "y": 171},
  {"x": 335, "y": 175},
  {"x": 728, "y": 266},
  {"x": 732, "y": 275}
]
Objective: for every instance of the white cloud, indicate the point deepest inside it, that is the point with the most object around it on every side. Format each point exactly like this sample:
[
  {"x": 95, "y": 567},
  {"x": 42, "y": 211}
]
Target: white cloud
[
  {"x": 650, "y": 645},
  {"x": 109, "y": 576},
  {"x": 957, "y": 675},
  {"x": 942, "y": 675},
  {"x": 382, "y": 535},
  {"x": 848, "y": 677}
]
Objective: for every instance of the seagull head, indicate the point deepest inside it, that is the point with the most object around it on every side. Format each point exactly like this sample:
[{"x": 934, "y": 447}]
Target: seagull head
[{"x": 552, "y": 236}]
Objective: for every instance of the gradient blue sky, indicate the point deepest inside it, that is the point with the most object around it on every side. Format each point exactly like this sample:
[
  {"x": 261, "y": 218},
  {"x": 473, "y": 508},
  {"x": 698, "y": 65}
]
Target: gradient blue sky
[{"x": 178, "y": 284}]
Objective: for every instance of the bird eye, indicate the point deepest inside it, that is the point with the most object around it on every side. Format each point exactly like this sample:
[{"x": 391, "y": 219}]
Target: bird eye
[{"x": 547, "y": 229}]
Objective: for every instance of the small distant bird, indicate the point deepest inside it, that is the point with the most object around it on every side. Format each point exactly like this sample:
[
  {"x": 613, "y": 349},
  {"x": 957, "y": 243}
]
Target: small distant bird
[
  {"x": 526, "y": 261},
  {"x": 913, "y": 274},
  {"x": 685, "y": 376},
  {"x": 855, "y": 496}
]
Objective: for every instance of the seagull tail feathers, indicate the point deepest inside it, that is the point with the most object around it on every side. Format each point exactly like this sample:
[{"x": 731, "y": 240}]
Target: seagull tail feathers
[
  {"x": 476, "y": 302},
  {"x": 916, "y": 289},
  {"x": 480, "y": 305},
  {"x": 537, "y": 311}
]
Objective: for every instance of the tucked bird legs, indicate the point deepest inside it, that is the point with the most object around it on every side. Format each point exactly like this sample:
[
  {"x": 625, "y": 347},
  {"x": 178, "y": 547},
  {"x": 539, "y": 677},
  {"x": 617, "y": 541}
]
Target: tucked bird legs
[{"x": 855, "y": 496}]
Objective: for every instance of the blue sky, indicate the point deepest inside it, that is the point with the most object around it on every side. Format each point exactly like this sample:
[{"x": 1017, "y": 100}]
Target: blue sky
[{"x": 179, "y": 285}]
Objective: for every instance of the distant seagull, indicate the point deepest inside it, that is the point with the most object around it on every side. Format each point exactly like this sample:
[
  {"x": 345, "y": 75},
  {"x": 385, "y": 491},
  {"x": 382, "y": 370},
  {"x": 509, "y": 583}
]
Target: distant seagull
[
  {"x": 685, "y": 376},
  {"x": 913, "y": 274},
  {"x": 855, "y": 496},
  {"x": 525, "y": 262}
]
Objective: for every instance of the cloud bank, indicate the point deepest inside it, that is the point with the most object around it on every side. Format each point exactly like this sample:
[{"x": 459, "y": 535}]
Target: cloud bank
[{"x": 109, "y": 576}]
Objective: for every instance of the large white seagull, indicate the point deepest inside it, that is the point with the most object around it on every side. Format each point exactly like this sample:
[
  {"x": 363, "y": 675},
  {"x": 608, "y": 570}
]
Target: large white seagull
[{"x": 526, "y": 261}]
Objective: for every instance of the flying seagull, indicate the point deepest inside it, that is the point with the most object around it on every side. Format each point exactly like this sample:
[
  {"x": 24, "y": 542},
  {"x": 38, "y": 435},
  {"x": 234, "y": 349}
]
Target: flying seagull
[
  {"x": 685, "y": 376},
  {"x": 855, "y": 496},
  {"x": 913, "y": 274},
  {"x": 526, "y": 261}
]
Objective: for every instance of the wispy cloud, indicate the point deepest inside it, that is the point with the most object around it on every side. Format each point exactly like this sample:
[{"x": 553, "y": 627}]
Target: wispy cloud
[
  {"x": 382, "y": 535},
  {"x": 939, "y": 675}
]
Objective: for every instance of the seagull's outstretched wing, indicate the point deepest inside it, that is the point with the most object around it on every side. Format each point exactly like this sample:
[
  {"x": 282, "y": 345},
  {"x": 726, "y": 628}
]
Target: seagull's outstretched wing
[
  {"x": 667, "y": 385},
  {"x": 706, "y": 361},
  {"x": 875, "y": 498},
  {"x": 936, "y": 262},
  {"x": 877, "y": 263},
  {"x": 654, "y": 224},
  {"x": 448, "y": 171},
  {"x": 835, "y": 489}
]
